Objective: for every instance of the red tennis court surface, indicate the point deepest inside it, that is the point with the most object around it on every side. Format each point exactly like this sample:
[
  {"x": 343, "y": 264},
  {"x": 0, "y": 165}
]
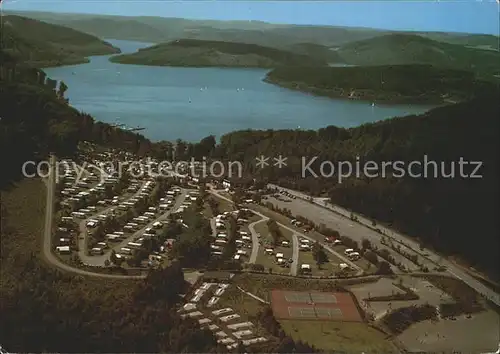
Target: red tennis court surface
[{"x": 314, "y": 306}]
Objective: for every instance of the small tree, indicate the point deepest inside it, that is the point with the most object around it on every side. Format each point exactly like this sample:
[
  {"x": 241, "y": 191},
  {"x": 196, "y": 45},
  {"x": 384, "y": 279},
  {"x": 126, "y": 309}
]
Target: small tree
[
  {"x": 366, "y": 244},
  {"x": 112, "y": 258},
  {"x": 62, "y": 89},
  {"x": 371, "y": 257},
  {"x": 384, "y": 268},
  {"x": 319, "y": 254}
]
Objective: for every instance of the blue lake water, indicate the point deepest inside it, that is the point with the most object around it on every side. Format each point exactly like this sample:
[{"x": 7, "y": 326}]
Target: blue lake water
[{"x": 191, "y": 103}]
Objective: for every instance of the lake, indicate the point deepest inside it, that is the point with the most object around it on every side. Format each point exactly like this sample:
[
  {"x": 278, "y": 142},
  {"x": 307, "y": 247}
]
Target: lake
[{"x": 191, "y": 103}]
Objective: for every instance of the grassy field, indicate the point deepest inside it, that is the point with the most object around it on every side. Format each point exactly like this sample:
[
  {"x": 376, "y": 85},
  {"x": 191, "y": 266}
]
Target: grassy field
[
  {"x": 268, "y": 261},
  {"x": 348, "y": 337},
  {"x": 367, "y": 267},
  {"x": 327, "y": 269},
  {"x": 23, "y": 209},
  {"x": 224, "y": 205},
  {"x": 244, "y": 305}
]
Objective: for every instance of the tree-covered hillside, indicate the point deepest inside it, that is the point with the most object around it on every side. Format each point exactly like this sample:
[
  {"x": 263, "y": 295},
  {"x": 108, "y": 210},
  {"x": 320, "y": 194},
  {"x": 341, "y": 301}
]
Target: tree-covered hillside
[
  {"x": 387, "y": 83},
  {"x": 40, "y": 44},
  {"x": 190, "y": 52}
]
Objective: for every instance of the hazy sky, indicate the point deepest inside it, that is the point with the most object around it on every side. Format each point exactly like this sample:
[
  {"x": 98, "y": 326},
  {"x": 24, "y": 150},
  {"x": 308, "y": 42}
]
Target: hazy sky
[{"x": 475, "y": 16}]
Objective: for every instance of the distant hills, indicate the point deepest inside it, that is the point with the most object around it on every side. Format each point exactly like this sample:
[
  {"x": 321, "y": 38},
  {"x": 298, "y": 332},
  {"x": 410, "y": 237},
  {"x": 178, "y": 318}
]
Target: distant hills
[
  {"x": 197, "y": 53},
  {"x": 161, "y": 29},
  {"x": 40, "y": 44},
  {"x": 388, "y": 83},
  {"x": 334, "y": 45},
  {"x": 390, "y": 49},
  {"x": 413, "y": 49}
]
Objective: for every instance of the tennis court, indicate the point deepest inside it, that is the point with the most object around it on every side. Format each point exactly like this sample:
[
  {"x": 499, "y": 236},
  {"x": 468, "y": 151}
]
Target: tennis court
[
  {"x": 321, "y": 298},
  {"x": 315, "y": 312},
  {"x": 314, "y": 306},
  {"x": 306, "y": 297}
]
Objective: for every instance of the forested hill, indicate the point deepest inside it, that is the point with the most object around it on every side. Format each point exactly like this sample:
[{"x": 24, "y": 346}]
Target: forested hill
[
  {"x": 398, "y": 48},
  {"x": 455, "y": 215},
  {"x": 40, "y": 44},
  {"x": 36, "y": 119},
  {"x": 198, "y": 53},
  {"x": 386, "y": 83}
]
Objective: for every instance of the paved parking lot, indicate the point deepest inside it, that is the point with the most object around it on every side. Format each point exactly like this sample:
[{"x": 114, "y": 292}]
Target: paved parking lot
[
  {"x": 344, "y": 226},
  {"x": 428, "y": 294}
]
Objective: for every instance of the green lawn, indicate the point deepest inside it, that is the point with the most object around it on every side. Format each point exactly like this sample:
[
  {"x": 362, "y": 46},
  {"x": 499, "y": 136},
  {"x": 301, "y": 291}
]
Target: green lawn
[
  {"x": 362, "y": 262},
  {"x": 242, "y": 304},
  {"x": 22, "y": 221},
  {"x": 268, "y": 261},
  {"x": 349, "y": 337},
  {"x": 327, "y": 269}
]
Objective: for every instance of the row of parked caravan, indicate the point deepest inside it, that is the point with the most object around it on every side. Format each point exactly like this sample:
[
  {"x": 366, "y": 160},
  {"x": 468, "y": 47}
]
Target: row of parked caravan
[
  {"x": 80, "y": 186},
  {"x": 147, "y": 218},
  {"x": 75, "y": 193},
  {"x": 66, "y": 233},
  {"x": 190, "y": 199},
  {"x": 221, "y": 236},
  {"x": 165, "y": 204},
  {"x": 142, "y": 192}
]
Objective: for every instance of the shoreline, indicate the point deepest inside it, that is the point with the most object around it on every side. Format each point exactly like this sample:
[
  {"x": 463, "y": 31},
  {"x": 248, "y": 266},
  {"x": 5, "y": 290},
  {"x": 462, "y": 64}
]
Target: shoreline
[{"x": 301, "y": 87}]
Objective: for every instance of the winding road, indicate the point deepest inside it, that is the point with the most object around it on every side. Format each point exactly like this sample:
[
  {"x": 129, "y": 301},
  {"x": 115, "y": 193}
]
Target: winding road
[{"x": 255, "y": 240}]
